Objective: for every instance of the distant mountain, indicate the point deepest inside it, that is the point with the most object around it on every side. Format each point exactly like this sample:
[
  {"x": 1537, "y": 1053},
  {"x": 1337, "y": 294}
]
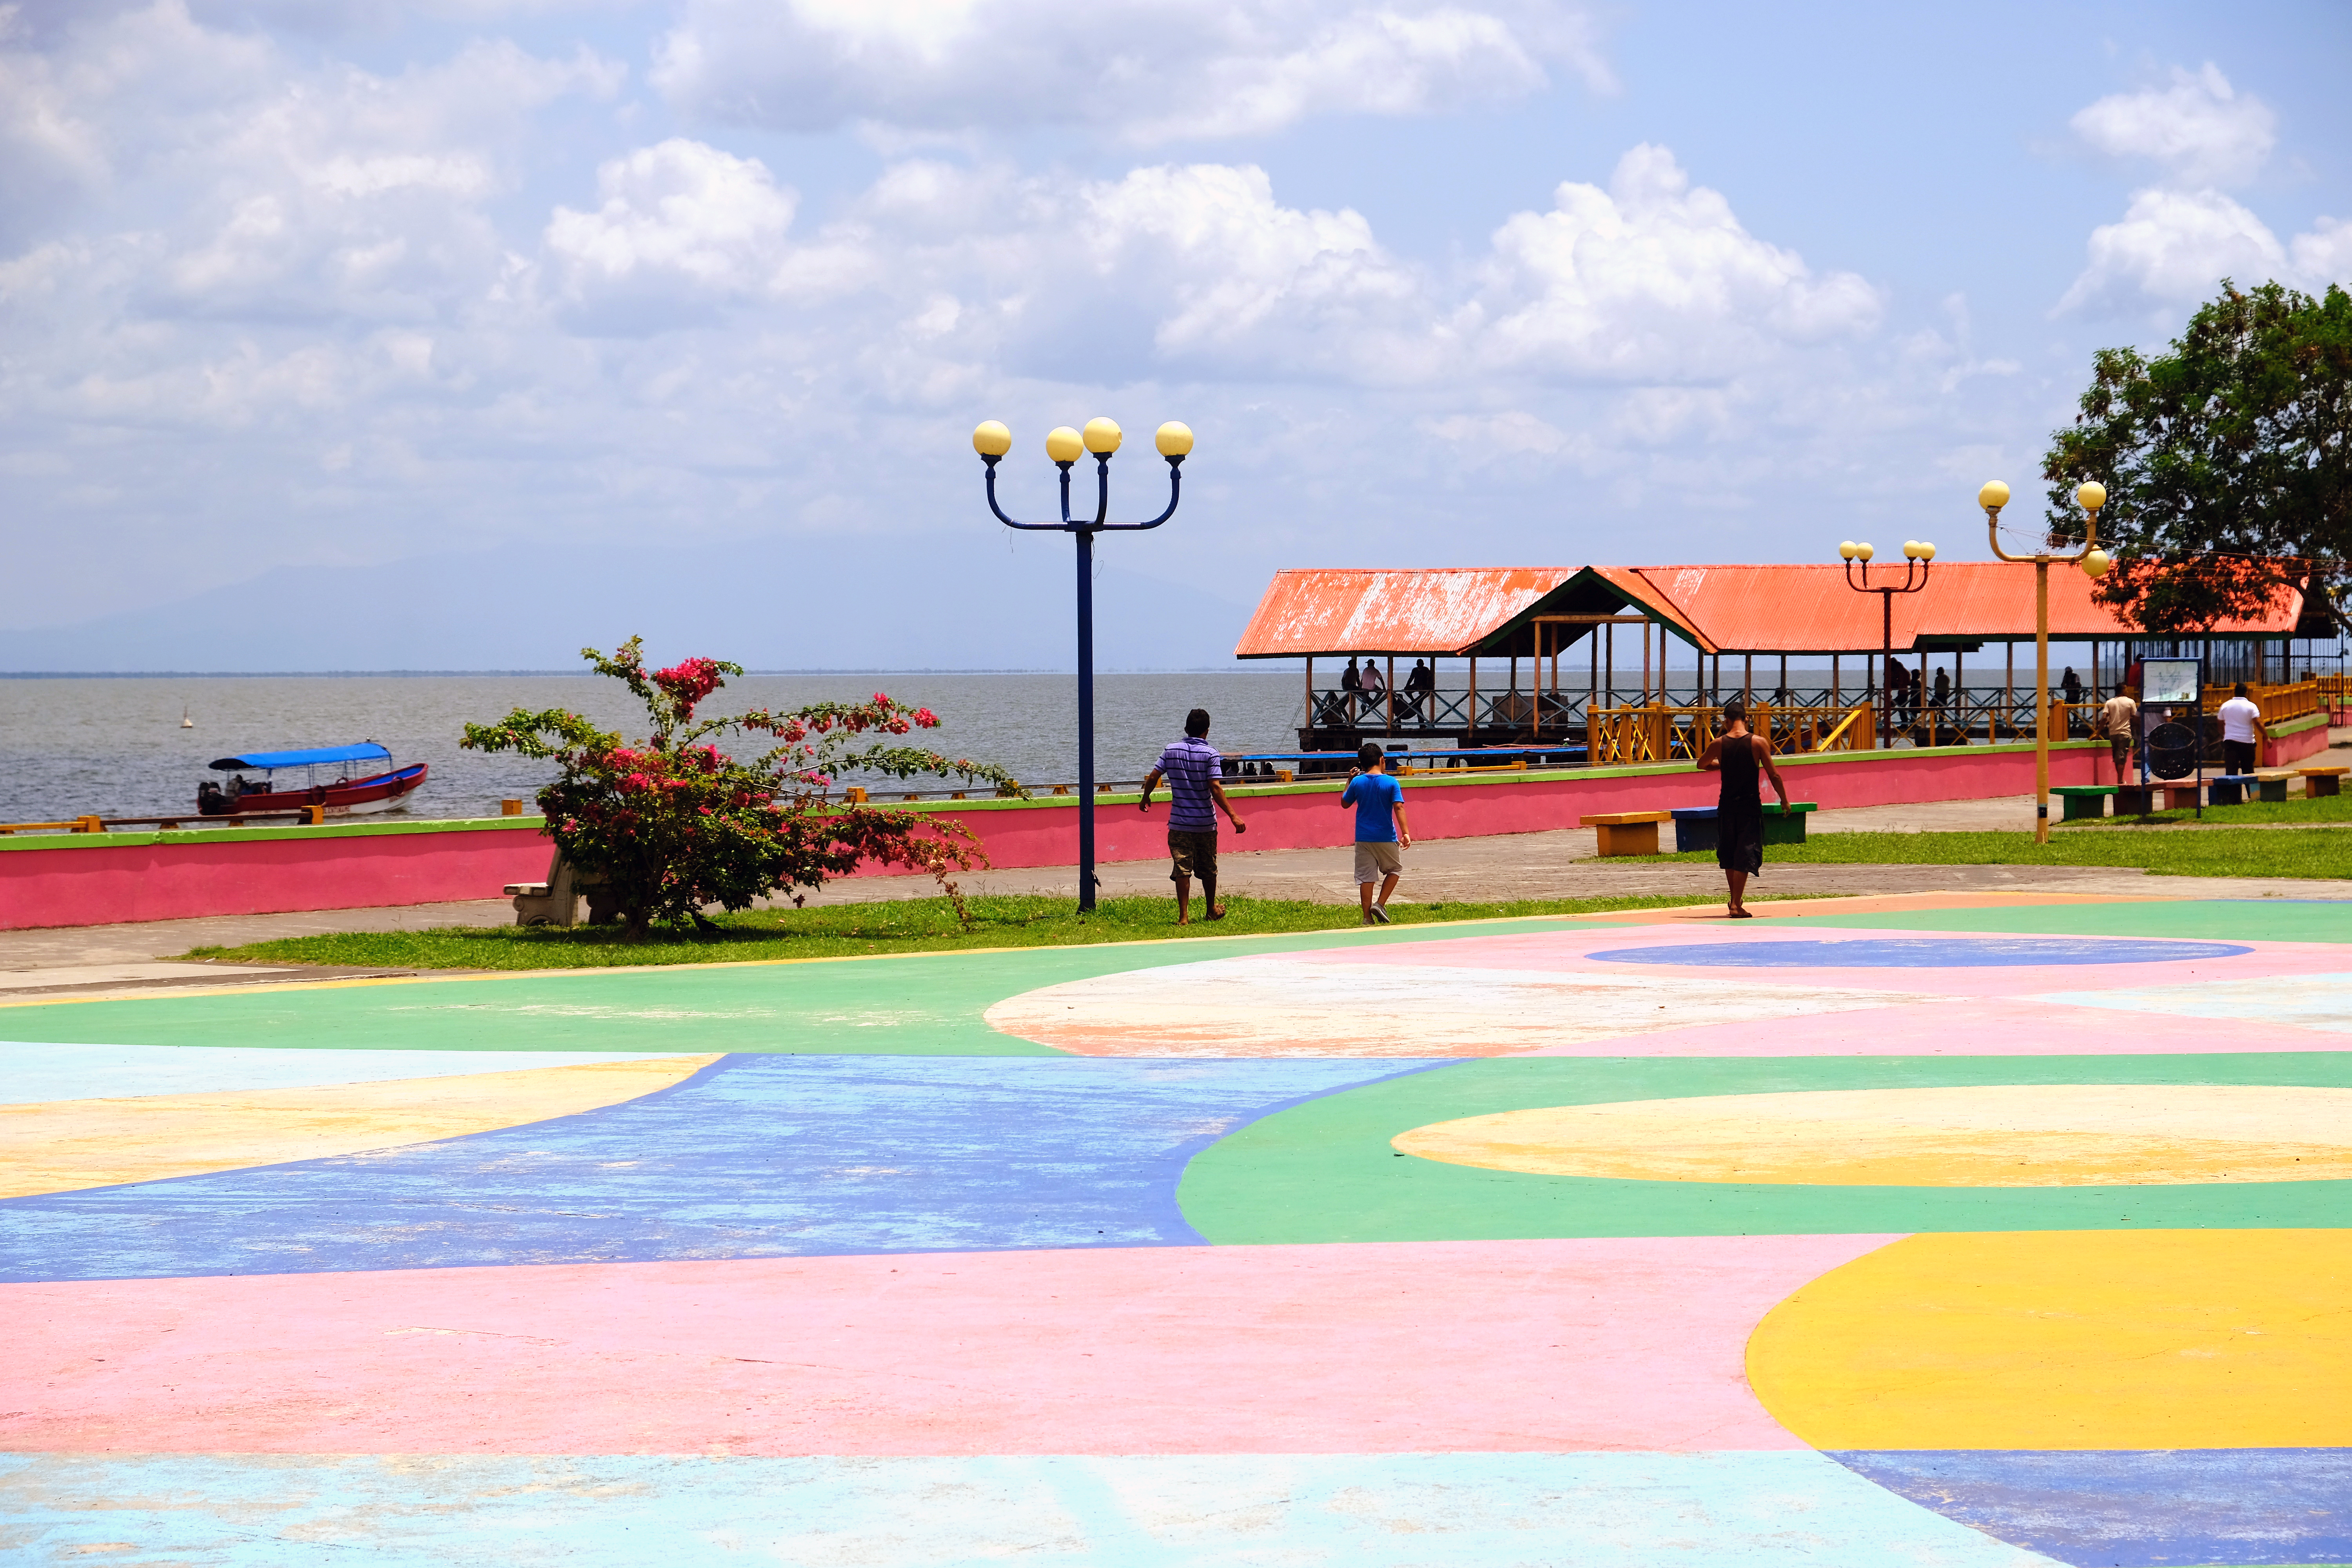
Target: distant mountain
[{"x": 766, "y": 606}]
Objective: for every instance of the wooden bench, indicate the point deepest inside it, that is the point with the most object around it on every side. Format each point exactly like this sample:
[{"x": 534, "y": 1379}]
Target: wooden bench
[
  {"x": 2317, "y": 781},
  {"x": 2076, "y": 802},
  {"x": 2230, "y": 789},
  {"x": 1627, "y": 832}
]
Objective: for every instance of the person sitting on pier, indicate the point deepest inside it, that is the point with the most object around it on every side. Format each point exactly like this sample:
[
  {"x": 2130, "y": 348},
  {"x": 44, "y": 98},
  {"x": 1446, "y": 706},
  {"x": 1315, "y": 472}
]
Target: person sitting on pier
[
  {"x": 1374, "y": 683},
  {"x": 1352, "y": 680}
]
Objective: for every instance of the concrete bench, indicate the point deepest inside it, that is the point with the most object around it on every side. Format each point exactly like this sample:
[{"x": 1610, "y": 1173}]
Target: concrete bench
[
  {"x": 2076, "y": 802},
  {"x": 2134, "y": 800},
  {"x": 1627, "y": 832},
  {"x": 2317, "y": 781},
  {"x": 2230, "y": 789},
  {"x": 556, "y": 902},
  {"x": 2272, "y": 786},
  {"x": 1694, "y": 829},
  {"x": 2179, "y": 796},
  {"x": 1786, "y": 824}
]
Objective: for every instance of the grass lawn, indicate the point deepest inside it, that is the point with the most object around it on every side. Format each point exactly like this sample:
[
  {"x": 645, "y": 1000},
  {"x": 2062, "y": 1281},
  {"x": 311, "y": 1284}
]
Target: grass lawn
[
  {"x": 2327, "y": 808},
  {"x": 842, "y": 931},
  {"x": 2215, "y": 852}
]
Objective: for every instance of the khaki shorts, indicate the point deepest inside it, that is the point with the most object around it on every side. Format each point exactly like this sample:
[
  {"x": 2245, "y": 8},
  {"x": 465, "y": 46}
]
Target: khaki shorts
[
  {"x": 1375, "y": 860},
  {"x": 1193, "y": 851}
]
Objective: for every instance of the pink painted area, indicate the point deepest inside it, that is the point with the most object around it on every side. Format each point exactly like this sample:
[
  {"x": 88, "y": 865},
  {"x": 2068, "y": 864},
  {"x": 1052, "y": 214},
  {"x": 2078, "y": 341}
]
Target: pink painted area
[
  {"x": 1566, "y": 952},
  {"x": 1032, "y": 835},
  {"x": 1966, "y": 1028},
  {"x": 2278, "y": 753},
  {"x": 1436, "y": 1347},
  {"x": 182, "y": 875}
]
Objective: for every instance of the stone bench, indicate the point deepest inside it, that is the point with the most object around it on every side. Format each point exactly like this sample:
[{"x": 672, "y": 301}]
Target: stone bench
[
  {"x": 1627, "y": 832},
  {"x": 2272, "y": 786},
  {"x": 2076, "y": 802},
  {"x": 556, "y": 902},
  {"x": 2231, "y": 789},
  {"x": 2320, "y": 781}
]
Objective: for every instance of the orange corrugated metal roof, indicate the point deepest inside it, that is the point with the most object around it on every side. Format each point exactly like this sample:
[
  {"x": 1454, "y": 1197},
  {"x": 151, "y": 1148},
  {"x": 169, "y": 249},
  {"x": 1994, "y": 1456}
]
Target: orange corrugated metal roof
[
  {"x": 1439, "y": 610},
  {"x": 1810, "y": 609},
  {"x": 1718, "y": 608}
]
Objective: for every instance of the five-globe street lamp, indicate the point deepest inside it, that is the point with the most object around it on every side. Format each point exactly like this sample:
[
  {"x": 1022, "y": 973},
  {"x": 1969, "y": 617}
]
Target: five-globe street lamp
[
  {"x": 2094, "y": 561},
  {"x": 1917, "y": 552},
  {"x": 992, "y": 441}
]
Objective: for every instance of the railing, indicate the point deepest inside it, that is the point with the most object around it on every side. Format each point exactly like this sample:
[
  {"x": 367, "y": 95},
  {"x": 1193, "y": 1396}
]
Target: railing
[{"x": 2278, "y": 703}]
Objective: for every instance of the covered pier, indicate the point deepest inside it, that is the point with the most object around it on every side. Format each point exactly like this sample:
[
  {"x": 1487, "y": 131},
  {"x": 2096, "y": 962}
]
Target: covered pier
[{"x": 1575, "y": 658}]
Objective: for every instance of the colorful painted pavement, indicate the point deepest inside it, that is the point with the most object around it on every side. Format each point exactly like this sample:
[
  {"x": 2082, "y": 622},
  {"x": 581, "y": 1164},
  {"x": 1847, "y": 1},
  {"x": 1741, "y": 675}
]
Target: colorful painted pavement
[{"x": 1931, "y": 1231}]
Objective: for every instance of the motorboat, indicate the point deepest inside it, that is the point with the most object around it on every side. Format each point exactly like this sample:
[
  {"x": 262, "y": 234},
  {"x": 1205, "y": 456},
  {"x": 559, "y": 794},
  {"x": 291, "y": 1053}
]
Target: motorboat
[{"x": 338, "y": 791}]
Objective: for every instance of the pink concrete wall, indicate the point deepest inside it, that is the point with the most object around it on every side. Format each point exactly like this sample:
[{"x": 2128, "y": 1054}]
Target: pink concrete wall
[
  {"x": 2295, "y": 747},
  {"x": 190, "y": 874}
]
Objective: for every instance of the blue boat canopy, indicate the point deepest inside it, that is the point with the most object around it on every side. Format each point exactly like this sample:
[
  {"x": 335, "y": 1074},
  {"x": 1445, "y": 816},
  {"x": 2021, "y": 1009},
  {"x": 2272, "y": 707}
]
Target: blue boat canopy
[{"x": 366, "y": 752}]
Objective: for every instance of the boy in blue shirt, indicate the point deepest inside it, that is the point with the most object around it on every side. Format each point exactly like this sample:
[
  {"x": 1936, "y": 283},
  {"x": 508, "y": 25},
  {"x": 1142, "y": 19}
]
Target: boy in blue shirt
[{"x": 1381, "y": 833}]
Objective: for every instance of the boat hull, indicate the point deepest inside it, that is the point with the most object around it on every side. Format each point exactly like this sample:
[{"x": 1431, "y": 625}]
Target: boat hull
[{"x": 344, "y": 797}]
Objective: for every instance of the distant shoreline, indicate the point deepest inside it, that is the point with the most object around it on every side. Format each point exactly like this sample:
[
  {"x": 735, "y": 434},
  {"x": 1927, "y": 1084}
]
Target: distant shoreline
[{"x": 581, "y": 673}]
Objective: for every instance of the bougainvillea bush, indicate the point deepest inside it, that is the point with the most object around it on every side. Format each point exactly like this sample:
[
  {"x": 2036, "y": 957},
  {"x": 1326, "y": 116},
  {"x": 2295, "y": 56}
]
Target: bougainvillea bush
[{"x": 673, "y": 824}]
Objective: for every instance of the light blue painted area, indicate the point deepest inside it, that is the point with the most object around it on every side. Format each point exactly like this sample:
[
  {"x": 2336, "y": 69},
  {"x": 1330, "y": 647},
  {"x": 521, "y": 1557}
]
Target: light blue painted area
[
  {"x": 1797, "y": 1509},
  {"x": 2306, "y": 1001},
  {"x": 756, "y": 1156},
  {"x": 1924, "y": 953},
  {"x": 31, "y": 1072},
  {"x": 2137, "y": 1509}
]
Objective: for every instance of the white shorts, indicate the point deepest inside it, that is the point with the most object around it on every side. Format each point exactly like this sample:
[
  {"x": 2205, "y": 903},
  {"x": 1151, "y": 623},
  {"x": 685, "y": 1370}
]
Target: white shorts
[{"x": 1375, "y": 860}]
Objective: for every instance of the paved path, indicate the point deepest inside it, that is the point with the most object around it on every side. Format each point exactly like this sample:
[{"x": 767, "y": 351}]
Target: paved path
[{"x": 1561, "y": 864}]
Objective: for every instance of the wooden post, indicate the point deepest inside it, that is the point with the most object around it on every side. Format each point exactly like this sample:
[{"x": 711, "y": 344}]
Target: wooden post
[
  {"x": 1470, "y": 725},
  {"x": 1646, "y": 662},
  {"x": 1392, "y": 694},
  {"x": 1310, "y": 693},
  {"x": 1609, "y": 670},
  {"x": 1592, "y": 703},
  {"x": 1748, "y": 682},
  {"x": 1960, "y": 692},
  {"x": 1836, "y": 701}
]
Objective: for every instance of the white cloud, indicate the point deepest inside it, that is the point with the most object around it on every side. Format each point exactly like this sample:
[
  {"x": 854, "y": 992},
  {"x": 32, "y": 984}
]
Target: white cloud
[
  {"x": 1150, "y": 70},
  {"x": 1652, "y": 279},
  {"x": 681, "y": 213},
  {"x": 2174, "y": 246},
  {"x": 2199, "y": 128}
]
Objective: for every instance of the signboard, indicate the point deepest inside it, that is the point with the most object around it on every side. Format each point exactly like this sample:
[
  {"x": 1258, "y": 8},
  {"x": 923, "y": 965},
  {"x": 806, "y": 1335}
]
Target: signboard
[{"x": 2171, "y": 680}]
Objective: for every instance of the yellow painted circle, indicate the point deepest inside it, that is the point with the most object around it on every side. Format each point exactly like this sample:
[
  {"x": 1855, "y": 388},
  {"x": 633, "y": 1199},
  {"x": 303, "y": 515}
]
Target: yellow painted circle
[
  {"x": 2007, "y": 1135},
  {"x": 2080, "y": 1340}
]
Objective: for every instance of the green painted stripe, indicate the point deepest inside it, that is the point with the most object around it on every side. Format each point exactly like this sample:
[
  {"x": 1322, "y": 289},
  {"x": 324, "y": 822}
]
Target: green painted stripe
[
  {"x": 1324, "y": 1172},
  {"x": 2226, "y": 919},
  {"x": 910, "y": 1005},
  {"x": 2280, "y": 731}
]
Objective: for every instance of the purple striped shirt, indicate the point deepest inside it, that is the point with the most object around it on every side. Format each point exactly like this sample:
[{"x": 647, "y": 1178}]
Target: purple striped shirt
[{"x": 1190, "y": 764}]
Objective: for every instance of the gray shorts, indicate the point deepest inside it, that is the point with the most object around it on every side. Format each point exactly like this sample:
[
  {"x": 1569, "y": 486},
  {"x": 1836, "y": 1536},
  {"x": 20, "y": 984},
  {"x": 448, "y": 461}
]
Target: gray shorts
[{"x": 1376, "y": 859}]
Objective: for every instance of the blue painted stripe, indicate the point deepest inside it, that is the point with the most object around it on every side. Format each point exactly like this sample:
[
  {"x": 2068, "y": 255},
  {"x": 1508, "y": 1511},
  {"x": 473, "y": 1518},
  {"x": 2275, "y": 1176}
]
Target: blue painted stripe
[
  {"x": 1791, "y": 1510},
  {"x": 756, "y": 1156},
  {"x": 2135, "y": 1509}
]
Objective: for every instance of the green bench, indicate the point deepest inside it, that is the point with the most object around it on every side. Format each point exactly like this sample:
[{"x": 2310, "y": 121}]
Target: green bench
[
  {"x": 2077, "y": 802},
  {"x": 1786, "y": 824}
]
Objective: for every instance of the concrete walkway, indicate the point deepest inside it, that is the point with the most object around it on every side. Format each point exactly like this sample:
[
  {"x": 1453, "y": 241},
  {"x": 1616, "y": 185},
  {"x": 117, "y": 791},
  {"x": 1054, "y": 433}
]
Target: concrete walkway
[{"x": 1560, "y": 864}]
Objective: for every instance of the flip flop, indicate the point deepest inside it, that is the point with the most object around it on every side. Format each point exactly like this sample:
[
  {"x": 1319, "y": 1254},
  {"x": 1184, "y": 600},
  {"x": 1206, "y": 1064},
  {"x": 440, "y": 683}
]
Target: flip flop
[{"x": 1741, "y": 915}]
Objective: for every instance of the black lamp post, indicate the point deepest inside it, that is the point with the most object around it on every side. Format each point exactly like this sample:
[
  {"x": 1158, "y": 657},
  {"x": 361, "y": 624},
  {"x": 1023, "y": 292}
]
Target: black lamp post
[
  {"x": 992, "y": 441},
  {"x": 1915, "y": 554}
]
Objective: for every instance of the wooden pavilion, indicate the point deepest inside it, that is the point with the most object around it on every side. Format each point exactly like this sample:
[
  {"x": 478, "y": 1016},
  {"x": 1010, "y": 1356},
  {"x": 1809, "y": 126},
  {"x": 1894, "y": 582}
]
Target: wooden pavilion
[{"x": 1593, "y": 640}]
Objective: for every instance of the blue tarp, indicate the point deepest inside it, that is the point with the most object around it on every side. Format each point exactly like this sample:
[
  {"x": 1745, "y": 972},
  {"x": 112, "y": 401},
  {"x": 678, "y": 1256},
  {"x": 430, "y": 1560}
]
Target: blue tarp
[{"x": 366, "y": 752}]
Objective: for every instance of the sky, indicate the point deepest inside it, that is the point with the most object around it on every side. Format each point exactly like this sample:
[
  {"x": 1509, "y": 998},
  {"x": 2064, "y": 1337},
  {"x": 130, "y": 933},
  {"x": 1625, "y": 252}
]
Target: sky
[{"x": 461, "y": 334}]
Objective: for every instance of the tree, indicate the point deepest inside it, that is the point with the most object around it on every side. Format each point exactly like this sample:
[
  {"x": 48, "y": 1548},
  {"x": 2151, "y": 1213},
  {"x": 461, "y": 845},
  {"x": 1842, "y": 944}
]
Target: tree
[
  {"x": 2228, "y": 460},
  {"x": 674, "y": 824}
]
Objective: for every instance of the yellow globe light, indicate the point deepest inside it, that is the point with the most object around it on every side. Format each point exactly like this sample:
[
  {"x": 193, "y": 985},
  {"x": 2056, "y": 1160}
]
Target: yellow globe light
[
  {"x": 1847, "y": 550},
  {"x": 989, "y": 439},
  {"x": 1993, "y": 497},
  {"x": 1861, "y": 551},
  {"x": 1064, "y": 444},
  {"x": 2093, "y": 496},
  {"x": 1102, "y": 436},
  {"x": 1927, "y": 551},
  {"x": 1910, "y": 550},
  {"x": 2096, "y": 563},
  {"x": 1173, "y": 441}
]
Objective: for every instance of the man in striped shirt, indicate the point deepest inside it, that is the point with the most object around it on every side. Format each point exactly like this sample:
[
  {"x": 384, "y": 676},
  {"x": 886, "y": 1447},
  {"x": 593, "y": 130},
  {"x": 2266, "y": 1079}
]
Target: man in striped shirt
[{"x": 1191, "y": 767}]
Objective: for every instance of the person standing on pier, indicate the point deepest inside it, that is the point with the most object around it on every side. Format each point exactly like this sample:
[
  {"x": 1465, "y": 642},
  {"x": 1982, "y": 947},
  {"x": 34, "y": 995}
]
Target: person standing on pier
[{"x": 1191, "y": 767}]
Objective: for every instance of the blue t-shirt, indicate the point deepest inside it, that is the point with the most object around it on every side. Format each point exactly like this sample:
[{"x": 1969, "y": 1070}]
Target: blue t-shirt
[{"x": 1375, "y": 797}]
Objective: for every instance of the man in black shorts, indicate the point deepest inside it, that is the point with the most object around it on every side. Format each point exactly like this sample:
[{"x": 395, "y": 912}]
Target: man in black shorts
[{"x": 1191, "y": 767}]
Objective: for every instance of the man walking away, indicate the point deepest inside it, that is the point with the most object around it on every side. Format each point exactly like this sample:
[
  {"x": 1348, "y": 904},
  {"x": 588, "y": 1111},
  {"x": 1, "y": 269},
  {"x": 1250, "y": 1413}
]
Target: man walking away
[
  {"x": 1382, "y": 832},
  {"x": 2241, "y": 724},
  {"x": 2118, "y": 715},
  {"x": 1191, "y": 766}
]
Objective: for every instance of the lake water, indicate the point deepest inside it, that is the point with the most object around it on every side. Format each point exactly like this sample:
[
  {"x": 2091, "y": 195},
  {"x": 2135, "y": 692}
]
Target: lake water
[{"x": 69, "y": 747}]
